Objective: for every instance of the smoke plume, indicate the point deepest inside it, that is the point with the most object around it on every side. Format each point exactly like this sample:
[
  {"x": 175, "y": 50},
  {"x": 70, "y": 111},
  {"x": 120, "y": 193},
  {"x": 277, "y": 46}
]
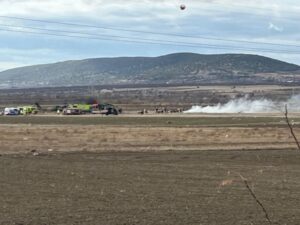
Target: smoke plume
[{"x": 246, "y": 105}]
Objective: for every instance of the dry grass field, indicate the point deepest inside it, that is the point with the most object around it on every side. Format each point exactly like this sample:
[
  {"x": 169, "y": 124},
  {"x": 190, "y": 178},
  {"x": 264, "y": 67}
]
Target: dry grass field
[
  {"x": 143, "y": 170},
  {"x": 59, "y": 134},
  {"x": 136, "y": 98},
  {"x": 25, "y": 138}
]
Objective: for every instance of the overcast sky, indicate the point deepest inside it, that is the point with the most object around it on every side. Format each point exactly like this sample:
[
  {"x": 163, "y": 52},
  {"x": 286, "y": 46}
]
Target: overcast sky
[{"x": 204, "y": 21}]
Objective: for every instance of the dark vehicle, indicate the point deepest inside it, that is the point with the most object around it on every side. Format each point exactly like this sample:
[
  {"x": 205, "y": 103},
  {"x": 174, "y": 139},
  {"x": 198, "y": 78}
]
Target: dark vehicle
[{"x": 107, "y": 109}]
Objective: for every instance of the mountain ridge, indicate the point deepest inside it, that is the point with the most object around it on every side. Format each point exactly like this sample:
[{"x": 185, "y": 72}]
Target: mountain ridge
[{"x": 173, "y": 68}]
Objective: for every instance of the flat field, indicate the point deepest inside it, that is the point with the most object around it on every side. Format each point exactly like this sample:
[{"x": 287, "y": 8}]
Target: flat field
[
  {"x": 140, "y": 170},
  {"x": 144, "y": 133},
  {"x": 142, "y": 188},
  {"x": 136, "y": 98}
]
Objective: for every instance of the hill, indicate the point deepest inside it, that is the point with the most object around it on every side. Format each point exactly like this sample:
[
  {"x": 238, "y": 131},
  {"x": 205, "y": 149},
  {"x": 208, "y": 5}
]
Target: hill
[{"x": 178, "y": 68}]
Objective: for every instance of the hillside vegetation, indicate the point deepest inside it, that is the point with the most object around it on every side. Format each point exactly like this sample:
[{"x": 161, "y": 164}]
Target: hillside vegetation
[{"x": 179, "y": 68}]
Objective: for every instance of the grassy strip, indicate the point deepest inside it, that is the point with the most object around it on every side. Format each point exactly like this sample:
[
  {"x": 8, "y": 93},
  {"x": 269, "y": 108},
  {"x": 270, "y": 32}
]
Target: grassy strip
[{"x": 145, "y": 121}]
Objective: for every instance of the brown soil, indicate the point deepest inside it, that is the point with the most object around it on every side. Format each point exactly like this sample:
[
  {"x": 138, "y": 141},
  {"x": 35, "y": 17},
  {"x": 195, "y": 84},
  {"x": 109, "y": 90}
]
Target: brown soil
[
  {"x": 135, "y": 173},
  {"x": 44, "y": 138},
  {"x": 167, "y": 188}
]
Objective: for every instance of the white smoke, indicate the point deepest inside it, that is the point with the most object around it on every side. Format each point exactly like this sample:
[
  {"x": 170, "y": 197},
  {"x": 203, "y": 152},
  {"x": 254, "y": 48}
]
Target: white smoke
[{"x": 246, "y": 105}]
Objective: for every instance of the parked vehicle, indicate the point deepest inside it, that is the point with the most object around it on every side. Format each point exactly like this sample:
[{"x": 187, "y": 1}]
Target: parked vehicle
[
  {"x": 26, "y": 110},
  {"x": 11, "y": 111},
  {"x": 71, "y": 111},
  {"x": 83, "y": 108},
  {"x": 77, "y": 109},
  {"x": 107, "y": 109}
]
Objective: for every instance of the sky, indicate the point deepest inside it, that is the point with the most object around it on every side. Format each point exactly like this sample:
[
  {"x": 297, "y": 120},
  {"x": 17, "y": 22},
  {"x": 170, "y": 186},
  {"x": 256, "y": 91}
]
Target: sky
[{"x": 47, "y": 31}]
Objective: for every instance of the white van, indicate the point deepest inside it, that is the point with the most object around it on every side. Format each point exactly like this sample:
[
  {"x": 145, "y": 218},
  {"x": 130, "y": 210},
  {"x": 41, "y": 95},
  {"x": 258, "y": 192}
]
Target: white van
[{"x": 11, "y": 111}]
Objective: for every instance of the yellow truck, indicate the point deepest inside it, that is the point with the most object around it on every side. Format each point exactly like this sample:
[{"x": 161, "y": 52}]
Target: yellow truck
[
  {"x": 77, "y": 109},
  {"x": 27, "y": 110}
]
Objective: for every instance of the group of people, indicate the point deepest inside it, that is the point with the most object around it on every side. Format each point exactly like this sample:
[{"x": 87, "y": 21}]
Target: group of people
[{"x": 162, "y": 110}]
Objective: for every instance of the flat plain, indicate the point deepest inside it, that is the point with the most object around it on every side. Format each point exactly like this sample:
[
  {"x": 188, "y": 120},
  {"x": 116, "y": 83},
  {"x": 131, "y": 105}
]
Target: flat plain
[
  {"x": 149, "y": 169},
  {"x": 177, "y": 187},
  {"x": 144, "y": 133}
]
